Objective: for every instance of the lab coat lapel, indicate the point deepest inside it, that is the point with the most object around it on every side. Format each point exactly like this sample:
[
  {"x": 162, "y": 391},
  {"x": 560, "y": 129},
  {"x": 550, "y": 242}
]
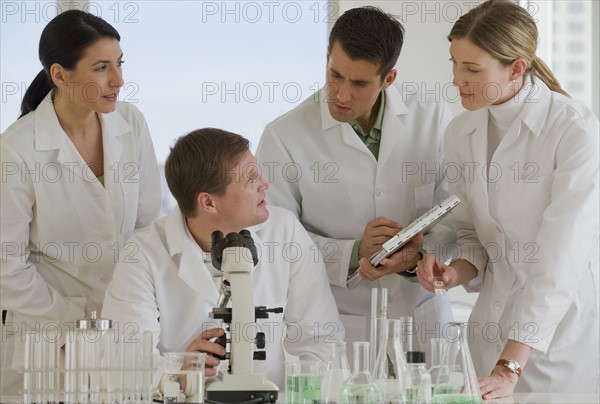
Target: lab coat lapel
[
  {"x": 191, "y": 267},
  {"x": 534, "y": 114},
  {"x": 113, "y": 127},
  {"x": 332, "y": 129},
  {"x": 392, "y": 129},
  {"x": 49, "y": 135},
  {"x": 477, "y": 132}
]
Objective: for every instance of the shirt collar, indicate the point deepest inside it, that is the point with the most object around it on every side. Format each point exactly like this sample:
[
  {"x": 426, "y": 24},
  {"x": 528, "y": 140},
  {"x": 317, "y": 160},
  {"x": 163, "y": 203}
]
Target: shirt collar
[{"x": 375, "y": 132}]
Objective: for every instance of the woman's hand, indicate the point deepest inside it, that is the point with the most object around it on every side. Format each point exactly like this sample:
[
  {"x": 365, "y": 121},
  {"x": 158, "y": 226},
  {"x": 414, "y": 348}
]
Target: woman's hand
[{"x": 430, "y": 269}]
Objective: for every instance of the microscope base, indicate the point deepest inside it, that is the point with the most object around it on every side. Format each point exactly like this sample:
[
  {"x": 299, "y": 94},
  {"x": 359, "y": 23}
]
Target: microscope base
[{"x": 227, "y": 388}]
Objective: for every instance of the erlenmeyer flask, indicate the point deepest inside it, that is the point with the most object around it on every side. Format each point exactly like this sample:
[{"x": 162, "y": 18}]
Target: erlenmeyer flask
[
  {"x": 360, "y": 388},
  {"x": 379, "y": 301},
  {"x": 462, "y": 387},
  {"x": 336, "y": 374},
  {"x": 390, "y": 365}
]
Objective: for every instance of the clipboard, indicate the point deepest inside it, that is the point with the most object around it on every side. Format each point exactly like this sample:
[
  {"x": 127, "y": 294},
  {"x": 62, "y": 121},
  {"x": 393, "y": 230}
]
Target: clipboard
[{"x": 423, "y": 222}]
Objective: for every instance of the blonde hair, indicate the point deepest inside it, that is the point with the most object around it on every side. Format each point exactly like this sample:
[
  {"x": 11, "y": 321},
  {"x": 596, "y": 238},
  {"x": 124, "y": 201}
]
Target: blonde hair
[{"x": 506, "y": 31}]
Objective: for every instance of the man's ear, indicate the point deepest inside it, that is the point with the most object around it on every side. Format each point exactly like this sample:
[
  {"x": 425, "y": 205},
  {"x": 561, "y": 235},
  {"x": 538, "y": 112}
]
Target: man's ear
[
  {"x": 206, "y": 202},
  {"x": 390, "y": 78}
]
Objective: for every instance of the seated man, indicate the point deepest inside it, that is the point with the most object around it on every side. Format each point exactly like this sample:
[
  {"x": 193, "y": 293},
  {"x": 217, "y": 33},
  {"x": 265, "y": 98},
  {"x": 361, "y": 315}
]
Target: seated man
[{"x": 169, "y": 286}]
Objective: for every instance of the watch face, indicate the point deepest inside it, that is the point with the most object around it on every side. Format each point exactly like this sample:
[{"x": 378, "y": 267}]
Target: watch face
[{"x": 513, "y": 366}]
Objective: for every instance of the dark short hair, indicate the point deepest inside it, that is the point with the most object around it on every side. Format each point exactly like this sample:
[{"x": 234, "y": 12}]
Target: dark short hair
[
  {"x": 64, "y": 41},
  {"x": 370, "y": 34},
  {"x": 201, "y": 161}
]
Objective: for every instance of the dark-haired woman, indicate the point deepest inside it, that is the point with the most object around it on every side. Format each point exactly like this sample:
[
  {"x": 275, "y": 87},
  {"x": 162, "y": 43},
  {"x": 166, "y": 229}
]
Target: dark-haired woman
[{"x": 79, "y": 175}]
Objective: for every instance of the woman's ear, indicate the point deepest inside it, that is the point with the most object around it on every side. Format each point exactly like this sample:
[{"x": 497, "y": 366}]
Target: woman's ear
[
  {"x": 59, "y": 75},
  {"x": 519, "y": 67}
]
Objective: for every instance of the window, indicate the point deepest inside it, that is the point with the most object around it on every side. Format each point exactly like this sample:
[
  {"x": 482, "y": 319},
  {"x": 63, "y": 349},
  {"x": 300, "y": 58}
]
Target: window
[{"x": 571, "y": 44}]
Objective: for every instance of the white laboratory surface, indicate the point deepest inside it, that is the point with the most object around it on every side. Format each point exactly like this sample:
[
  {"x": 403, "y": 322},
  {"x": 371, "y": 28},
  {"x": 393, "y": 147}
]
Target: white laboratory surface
[{"x": 517, "y": 398}]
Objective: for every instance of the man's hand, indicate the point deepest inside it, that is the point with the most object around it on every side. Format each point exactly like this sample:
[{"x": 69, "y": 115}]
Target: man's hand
[
  {"x": 203, "y": 344},
  {"x": 376, "y": 232},
  {"x": 405, "y": 258}
]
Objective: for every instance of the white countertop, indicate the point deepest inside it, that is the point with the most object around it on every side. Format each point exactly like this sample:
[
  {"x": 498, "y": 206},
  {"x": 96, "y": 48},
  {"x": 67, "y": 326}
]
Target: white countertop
[{"x": 517, "y": 398}]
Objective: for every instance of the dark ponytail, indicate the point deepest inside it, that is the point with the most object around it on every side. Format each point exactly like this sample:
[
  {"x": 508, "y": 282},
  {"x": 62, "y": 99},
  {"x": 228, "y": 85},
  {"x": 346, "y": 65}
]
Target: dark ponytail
[
  {"x": 37, "y": 90},
  {"x": 64, "y": 41}
]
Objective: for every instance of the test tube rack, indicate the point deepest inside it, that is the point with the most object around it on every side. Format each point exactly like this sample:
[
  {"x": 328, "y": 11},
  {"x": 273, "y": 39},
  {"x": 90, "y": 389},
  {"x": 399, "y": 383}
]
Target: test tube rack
[{"x": 98, "y": 367}]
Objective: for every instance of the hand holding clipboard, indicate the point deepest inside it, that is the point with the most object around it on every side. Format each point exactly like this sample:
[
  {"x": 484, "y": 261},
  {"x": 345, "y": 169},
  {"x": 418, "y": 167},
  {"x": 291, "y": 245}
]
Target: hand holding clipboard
[{"x": 428, "y": 219}]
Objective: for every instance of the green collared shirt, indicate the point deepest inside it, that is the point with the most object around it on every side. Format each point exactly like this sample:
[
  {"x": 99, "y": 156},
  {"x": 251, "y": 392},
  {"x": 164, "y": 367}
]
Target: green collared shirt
[{"x": 371, "y": 140}]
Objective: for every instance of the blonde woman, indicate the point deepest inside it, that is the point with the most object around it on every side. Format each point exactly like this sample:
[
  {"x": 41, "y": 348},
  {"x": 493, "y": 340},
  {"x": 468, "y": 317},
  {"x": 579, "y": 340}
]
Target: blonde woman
[{"x": 525, "y": 157}]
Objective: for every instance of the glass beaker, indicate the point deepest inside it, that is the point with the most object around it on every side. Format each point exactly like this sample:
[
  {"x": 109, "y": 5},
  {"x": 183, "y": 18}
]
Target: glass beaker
[
  {"x": 379, "y": 301},
  {"x": 336, "y": 374},
  {"x": 462, "y": 387},
  {"x": 360, "y": 388},
  {"x": 184, "y": 377},
  {"x": 302, "y": 382},
  {"x": 390, "y": 365}
]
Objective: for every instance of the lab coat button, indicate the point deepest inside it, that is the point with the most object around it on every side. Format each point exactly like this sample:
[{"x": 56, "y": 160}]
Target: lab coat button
[
  {"x": 497, "y": 305},
  {"x": 496, "y": 187},
  {"x": 107, "y": 236},
  {"x": 379, "y": 192}
]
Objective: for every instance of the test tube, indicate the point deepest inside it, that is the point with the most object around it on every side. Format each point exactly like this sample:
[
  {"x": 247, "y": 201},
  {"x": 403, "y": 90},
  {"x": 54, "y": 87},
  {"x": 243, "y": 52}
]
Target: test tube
[
  {"x": 82, "y": 374},
  {"x": 39, "y": 360},
  {"x": 70, "y": 365},
  {"x": 28, "y": 366},
  {"x": 93, "y": 353},
  {"x": 108, "y": 366},
  {"x": 52, "y": 356},
  {"x": 147, "y": 367}
]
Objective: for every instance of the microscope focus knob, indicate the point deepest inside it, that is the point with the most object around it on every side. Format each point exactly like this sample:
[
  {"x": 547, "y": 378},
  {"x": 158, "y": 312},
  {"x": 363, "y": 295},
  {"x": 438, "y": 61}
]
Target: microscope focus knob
[
  {"x": 260, "y": 340},
  {"x": 260, "y": 356}
]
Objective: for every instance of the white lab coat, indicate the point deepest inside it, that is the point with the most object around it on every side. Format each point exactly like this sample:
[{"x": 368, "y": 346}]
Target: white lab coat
[
  {"x": 531, "y": 230},
  {"x": 61, "y": 229},
  {"x": 168, "y": 289},
  {"x": 322, "y": 171}
]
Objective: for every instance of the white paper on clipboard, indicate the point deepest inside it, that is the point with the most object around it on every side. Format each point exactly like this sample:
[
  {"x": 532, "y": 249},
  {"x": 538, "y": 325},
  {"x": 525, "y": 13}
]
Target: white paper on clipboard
[{"x": 422, "y": 223}]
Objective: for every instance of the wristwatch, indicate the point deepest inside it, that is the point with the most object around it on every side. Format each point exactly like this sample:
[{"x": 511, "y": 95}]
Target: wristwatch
[{"x": 511, "y": 365}]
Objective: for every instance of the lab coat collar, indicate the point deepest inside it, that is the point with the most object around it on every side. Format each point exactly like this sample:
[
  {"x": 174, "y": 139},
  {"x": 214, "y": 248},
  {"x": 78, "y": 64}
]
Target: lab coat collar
[
  {"x": 534, "y": 115},
  {"x": 537, "y": 106},
  {"x": 192, "y": 268},
  {"x": 393, "y": 105},
  {"x": 49, "y": 133}
]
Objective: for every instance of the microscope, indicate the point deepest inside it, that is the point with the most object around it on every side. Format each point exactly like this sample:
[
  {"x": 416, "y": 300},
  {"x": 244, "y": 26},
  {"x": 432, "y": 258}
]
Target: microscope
[{"x": 235, "y": 255}]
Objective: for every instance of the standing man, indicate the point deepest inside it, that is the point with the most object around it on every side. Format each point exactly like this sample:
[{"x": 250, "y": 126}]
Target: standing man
[
  {"x": 358, "y": 161},
  {"x": 169, "y": 286}
]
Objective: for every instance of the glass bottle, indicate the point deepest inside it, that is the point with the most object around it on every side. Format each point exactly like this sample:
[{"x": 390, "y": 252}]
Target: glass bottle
[
  {"x": 417, "y": 383},
  {"x": 379, "y": 301},
  {"x": 360, "y": 388},
  {"x": 462, "y": 387},
  {"x": 336, "y": 374},
  {"x": 390, "y": 365}
]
